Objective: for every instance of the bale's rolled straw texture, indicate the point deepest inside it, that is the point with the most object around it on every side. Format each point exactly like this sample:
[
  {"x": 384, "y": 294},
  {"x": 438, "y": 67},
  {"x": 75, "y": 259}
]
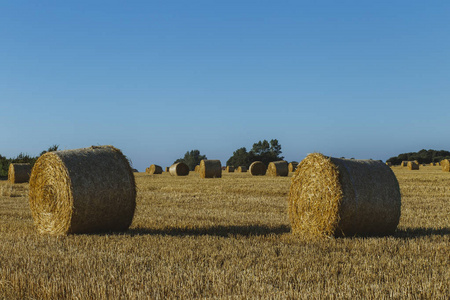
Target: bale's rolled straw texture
[
  {"x": 257, "y": 168},
  {"x": 445, "y": 164},
  {"x": 230, "y": 169},
  {"x": 179, "y": 169},
  {"x": 292, "y": 166},
  {"x": 343, "y": 197},
  {"x": 412, "y": 165},
  {"x": 19, "y": 173},
  {"x": 154, "y": 169},
  {"x": 241, "y": 169},
  {"x": 210, "y": 168},
  {"x": 278, "y": 168},
  {"x": 82, "y": 191}
]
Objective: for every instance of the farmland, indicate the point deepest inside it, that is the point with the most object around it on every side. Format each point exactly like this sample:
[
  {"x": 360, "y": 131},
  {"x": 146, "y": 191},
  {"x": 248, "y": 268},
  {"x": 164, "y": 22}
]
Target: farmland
[{"x": 228, "y": 238}]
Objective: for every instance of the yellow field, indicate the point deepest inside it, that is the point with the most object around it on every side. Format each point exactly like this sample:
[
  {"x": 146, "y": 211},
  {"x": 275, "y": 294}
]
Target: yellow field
[{"x": 228, "y": 238}]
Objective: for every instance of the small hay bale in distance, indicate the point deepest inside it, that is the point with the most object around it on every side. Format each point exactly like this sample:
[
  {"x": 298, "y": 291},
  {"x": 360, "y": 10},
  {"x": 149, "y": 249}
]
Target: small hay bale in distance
[
  {"x": 241, "y": 169},
  {"x": 197, "y": 168},
  {"x": 167, "y": 169},
  {"x": 389, "y": 164},
  {"x": 84, "y": 190},
  {"x": 179, "y": 169},
  {"x": 257, "y": 168},
  {"x": 19, "y": 172},
  {"x": 292, "y": 166},
  {"x": 343, "y": 197},
  {"x": 432, "y": 164},
  {"x": 404, "y": 163},
  {"x": 412, "y": 165},
  {"x": 154, "y": 169},
  {"x": 278, "y": 168},
  {"x": 210, "y": 168},
  {"x": 445, "y": 164},
  {"x": 230, "y": 169}
]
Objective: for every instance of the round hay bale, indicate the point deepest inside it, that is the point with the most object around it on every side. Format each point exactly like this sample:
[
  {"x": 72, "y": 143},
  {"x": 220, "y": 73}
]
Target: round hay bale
[
  {"x": 167, "y": 169},
  {"x": 230, "y": 169},
  {"x": 257, "y": 168},
  {"x": 389, "y": 164},
  {"x": 404, "y": 163},
  {"x": 241, "y": 169},
  {"x": 278, "y": 168},
  {"x": 445, "y": 164},
  {"x": 210, "y": 168},
  {"x": 82, "y": 191},
  {"x": 343, "y": 197},
  {"x": 197, "y": 168},
  {"x": 412, "y": 165},
  {"x": 154, "y": 169},
  {"x": 432, "y": 164},
  {"x": 292, "y": 166},
  {"x": 179, "y": 169},
  {"x": 19, "y": 173}
]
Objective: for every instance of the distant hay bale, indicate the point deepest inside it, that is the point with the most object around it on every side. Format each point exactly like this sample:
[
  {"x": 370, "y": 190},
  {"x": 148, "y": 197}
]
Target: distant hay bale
[
  {"x": 154, "y": 169},
  {"x": 278, "y": 168},
  {"x": 210, "y": 168},
  {"x": 412, "y": 165},
  {"x": 432, "y": 164},
  {"x": 257, "y": 168},
  {"x": 167, "y": 169},
  {"x": 343, "y": 197},
  {"x": 179, "y": 169},
  {"x": 241, "y": 169},
  {"x": 445, "y": 164},
  {"x": 404, "y": 163},
  {"x": 230, "y": 169},
  {"x": 389, "y": 164},
  {"x": 292, "y": 166},
  {"x": 197, "y": 168},
  {"x": 19, "y": 172},
  {"x": 82, "y": 191},
  {"x": 416, "y": 161}
]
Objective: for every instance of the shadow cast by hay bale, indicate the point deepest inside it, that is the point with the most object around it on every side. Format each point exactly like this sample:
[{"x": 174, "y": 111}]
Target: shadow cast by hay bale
[{"x": 221, "y": 231}]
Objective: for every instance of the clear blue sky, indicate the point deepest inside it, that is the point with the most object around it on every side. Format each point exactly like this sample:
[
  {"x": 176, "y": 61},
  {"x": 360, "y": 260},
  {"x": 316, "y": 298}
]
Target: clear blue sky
[{"x": 363, "y": 79}]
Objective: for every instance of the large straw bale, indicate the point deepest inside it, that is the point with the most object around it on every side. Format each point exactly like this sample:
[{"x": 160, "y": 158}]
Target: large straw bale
[
  {"x": 179, "y": 169},
  {"x": 445, "y": 164},
  {"x": 19, "y": 172},
  {"x": 241, "y": 169},
  {"x": 343, "y": 197},
  {"x": 82, "y": 191},
  {"x": 404, "y": 163},
  {"x": 210, "y": 168},
  {"x": 278, "y": 168},
  {"x": 292, "y": 166},
  {"x": 230, "y": 169},
  {"x": 154, "y": 169},
  {"x": 412, "y": 165},
  {"x": 257, "y": 168}
]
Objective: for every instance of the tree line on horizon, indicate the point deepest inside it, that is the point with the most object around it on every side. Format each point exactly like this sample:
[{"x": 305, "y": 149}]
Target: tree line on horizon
[
  {"x": 423, "y": 156},
  {"x": 21, "y": 158}
]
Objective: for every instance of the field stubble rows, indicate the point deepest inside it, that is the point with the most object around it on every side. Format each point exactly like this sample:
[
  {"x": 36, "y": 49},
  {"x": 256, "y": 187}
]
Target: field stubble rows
[{"x": 228, "y": 238}]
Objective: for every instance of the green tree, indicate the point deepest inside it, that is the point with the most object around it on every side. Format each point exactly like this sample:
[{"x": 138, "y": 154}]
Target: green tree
[
  {"x": 50, "y": 149},
  {"x": 240, "y": 157},
  {"x": 191, "y": 159},
  {"x": 263, "y": 150},
  {"x": 266, "y": 151}
]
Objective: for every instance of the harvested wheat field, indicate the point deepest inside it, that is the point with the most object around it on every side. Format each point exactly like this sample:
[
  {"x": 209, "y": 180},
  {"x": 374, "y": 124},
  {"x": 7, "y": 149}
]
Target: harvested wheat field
[{"x": 228, "y": 238}]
